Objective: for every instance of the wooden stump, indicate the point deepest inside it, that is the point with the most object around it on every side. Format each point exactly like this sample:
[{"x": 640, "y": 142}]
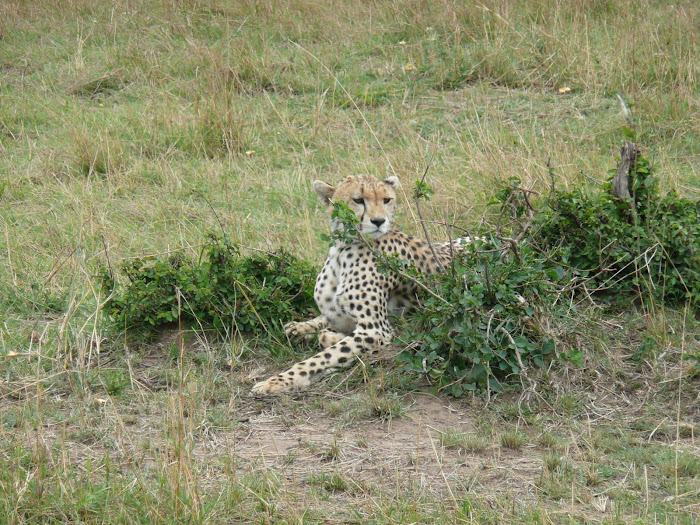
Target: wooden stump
[{"x": 628, "y": 163}]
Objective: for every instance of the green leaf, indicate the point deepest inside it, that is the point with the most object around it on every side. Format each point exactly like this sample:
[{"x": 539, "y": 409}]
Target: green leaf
[
  {"x": 495, "y": 385},
  {"x": 548, "y": 347},
  {"x": 628, "y": 132}
]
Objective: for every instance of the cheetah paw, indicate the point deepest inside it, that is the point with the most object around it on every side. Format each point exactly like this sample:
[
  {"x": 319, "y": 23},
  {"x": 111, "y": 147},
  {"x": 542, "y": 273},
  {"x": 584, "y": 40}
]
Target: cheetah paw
[
  {"x": 293, "y": 331},
  {"x": 269, "y": 386}
]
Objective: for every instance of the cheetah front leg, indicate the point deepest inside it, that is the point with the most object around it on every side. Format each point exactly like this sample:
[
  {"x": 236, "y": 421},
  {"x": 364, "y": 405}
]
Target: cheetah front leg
[
  {"x": 341, "y": 354},
  {"x": 298, "y": 330},
  {"x": 326, "y": 337}
]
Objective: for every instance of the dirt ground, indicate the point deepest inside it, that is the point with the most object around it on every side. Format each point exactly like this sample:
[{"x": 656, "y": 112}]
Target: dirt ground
[
  {"x": 350, "y": 449},
  {"x": 402, "y": 452}
]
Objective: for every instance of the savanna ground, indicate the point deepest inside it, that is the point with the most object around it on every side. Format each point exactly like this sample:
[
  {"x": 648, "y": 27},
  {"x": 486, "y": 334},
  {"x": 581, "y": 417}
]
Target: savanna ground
[{"x": 135, "y": 127}]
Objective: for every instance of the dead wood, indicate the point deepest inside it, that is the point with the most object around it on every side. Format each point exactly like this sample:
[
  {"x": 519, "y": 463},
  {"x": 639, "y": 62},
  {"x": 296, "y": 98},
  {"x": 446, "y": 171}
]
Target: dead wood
[{"x": 628, "y": 163}]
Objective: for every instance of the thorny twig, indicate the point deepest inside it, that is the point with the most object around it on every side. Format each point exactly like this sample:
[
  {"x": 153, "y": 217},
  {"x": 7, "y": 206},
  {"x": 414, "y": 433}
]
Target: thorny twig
[
  {"x": 416, "y": 199},
  {"x": 514, "y": 241},
  {"x": 523, "y": 369}
]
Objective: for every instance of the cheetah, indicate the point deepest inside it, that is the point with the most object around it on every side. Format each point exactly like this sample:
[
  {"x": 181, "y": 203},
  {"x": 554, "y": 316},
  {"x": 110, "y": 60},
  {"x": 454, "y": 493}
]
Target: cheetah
[{"x": 355, "y": 299}]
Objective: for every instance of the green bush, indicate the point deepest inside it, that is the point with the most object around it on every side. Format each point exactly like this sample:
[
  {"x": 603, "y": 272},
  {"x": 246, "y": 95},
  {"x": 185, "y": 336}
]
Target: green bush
[
  {"x": 653, "y": 248},
  {"x": 222, "y": 288},
  {"x": 483, "y": 323},
  {"x": 485, "y": 328}
]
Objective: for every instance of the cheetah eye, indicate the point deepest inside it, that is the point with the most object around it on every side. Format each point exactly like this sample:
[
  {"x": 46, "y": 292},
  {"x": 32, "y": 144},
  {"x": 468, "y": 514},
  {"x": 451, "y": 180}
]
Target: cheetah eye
[
  {"x": 387, "y": 201},
  {"x": 359, "y": 201}
]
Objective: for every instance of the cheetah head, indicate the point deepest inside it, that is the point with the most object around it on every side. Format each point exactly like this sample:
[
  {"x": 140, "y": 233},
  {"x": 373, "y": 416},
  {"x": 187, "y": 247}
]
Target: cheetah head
[{"x": 372, "y": 200}]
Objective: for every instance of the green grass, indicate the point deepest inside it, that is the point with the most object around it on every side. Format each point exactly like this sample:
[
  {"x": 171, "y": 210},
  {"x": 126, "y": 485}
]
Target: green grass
[
  {"x": 467, "y": 442},
  {"x": 133, "y": 128}
]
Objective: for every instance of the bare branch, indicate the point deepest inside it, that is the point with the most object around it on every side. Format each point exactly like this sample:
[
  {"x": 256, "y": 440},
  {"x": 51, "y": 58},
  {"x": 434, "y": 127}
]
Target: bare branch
[{"x": 416, "y": 200}]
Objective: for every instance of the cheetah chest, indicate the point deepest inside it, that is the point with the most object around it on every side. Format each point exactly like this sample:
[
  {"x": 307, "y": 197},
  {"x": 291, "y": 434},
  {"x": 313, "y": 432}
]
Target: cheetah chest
[
  {"x": 350, "y": 289},
  {"x": 329, "y": 292}
]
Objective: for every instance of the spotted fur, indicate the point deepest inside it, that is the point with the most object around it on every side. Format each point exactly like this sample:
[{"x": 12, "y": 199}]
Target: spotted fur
[{"x": 355, "y": 299}]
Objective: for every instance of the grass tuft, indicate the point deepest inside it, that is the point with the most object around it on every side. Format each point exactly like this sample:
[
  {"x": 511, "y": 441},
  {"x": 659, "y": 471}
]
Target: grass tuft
[
  {"x": 512, "y": 439},
  {"x": 99, "y": 155},
  {"x": 102, "y": 85},
  {"x": 468, "y": 442}
]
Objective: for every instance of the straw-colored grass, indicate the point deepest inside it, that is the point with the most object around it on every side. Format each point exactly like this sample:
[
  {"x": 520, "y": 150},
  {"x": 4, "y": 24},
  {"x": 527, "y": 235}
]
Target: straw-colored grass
[{"x": 135, "y": 127}]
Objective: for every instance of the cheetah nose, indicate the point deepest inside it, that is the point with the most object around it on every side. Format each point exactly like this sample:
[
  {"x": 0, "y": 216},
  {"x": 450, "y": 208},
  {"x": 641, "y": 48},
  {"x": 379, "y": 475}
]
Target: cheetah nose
[{"x": 378, "y": 222}]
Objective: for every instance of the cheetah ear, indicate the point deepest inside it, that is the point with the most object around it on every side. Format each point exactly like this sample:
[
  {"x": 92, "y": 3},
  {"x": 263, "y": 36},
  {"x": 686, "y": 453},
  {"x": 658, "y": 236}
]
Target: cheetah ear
[
  {"x": 324, "y": 191},
  {"x": 393, "y": 181}
]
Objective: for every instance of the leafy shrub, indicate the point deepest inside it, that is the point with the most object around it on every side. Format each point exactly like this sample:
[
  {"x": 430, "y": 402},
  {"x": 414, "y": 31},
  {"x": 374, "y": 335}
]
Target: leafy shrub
[
  {"x": 621, "y": 250},
  {"x": 482, "y": 324},
  {"x": 485, "y": 328},
  {"x": 222, "y": 288}
]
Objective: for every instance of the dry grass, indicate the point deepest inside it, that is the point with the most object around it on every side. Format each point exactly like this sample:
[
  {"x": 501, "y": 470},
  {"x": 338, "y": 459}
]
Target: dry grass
[{"x": 134, "y": 127}]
